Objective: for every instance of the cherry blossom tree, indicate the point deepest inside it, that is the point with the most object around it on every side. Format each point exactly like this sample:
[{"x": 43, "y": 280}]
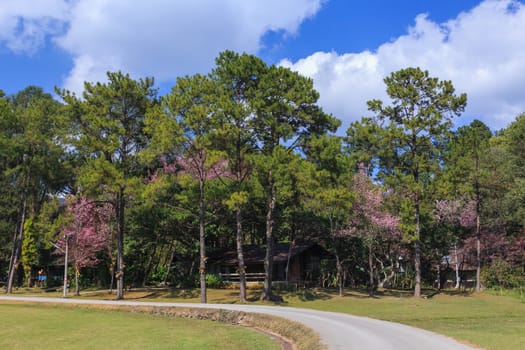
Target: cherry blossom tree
[
  {"x": 457, "y": 213},
  {"x": 483, "y": 244},
  {"x": 370, "y": 221},
  {"x": 88, "y": 234}
]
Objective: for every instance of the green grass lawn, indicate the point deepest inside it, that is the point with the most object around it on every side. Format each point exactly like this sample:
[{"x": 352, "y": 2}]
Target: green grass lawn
[
  {"x": 491, "y": 321},
  {"x": 30, "y": 326}
]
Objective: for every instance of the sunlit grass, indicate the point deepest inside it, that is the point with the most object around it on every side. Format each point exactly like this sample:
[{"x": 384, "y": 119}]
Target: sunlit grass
[
  {"x": 492, "y": 320},
  {"x": 30, "y": 326}
]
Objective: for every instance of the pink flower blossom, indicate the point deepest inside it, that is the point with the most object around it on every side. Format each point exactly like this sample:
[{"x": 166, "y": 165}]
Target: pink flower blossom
[
  {"x": 459, "y": 211},
  {"x": 369, "y": 216},
  {"x": 88, "y": 232}
]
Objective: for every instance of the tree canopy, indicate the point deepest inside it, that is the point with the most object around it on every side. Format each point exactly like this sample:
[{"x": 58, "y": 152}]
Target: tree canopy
[{"x": 145, "y": 188}]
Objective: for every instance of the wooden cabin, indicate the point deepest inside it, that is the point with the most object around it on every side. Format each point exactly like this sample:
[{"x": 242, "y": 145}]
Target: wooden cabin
[{"x": 298, "y": 263}]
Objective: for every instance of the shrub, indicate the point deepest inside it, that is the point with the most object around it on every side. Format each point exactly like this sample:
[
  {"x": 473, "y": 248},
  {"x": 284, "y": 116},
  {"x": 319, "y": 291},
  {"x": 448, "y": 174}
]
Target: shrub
[
  {"x": 501, "y": 274},
  {"x": 214, "y": 280},
  {"x": 159, "y": 275}
]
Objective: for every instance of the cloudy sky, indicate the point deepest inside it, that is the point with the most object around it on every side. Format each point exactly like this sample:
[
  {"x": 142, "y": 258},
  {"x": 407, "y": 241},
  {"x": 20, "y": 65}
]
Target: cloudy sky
[{"x": 346, "y": 46}]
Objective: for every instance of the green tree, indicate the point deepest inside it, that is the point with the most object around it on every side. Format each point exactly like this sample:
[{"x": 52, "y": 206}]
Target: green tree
[
  {"x": 107, "y": 131},
  {"x": 331, "y": 198},
  {"x": 238, "y": 77},
  {"x": 286, "y": 116},
  {"x": 192, "y": 104},
  {"x": 514, "y": 135},
  {"x": 7, "y": 193},
  {"x": 465, "y": 164},
  {"x": 35, "y": 165},
  {"x": 416, "y": 129}
]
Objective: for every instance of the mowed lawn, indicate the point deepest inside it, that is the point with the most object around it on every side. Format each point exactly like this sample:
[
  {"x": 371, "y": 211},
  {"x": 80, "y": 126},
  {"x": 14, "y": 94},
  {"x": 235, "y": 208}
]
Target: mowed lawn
[
  {"x": 492, "y": 322},
  {"x": 30, "y": 326},
  {"x": 489, "y": 321}
]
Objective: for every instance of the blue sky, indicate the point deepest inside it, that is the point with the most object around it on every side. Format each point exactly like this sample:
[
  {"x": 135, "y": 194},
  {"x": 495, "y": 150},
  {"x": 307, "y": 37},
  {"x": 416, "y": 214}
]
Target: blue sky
[
  {"x": 354, "y": 26},
  {"x": 347, "y": 47}
]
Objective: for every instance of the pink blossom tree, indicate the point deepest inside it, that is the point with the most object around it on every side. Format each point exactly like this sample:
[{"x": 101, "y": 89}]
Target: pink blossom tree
[
  {"x": 460, "y": 213},
  {"x": 88, "y": 234},
  {"x": 483, "y": 244},
  {"x": 370, "y": 220}
]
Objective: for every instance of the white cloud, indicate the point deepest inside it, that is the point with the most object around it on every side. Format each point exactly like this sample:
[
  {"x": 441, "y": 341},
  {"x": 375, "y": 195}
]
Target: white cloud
[
  {"x": 160, "y": 38},
  {"x": 481, "y": 52},
  {"x": 25, "y": 24},
  {"x": 166, "y": 39}
]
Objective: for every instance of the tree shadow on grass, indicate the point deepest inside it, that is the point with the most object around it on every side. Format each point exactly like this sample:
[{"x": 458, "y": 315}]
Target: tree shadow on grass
[
  {"x": 184, "y": 293},
  {"x": 312, "y": 295},
  {"x": 425, "y": 293},
  {"x": 395, "y": 293},
  {"x": 449, "y": 292}
]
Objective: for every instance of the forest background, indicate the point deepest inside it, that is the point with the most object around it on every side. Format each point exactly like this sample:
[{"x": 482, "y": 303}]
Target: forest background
[{"x": 142, "y": 187}]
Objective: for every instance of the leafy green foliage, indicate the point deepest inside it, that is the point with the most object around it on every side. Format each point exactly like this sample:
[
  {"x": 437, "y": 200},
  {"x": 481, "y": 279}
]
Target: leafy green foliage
[
  {"x": 414, "y": 132},
  {"x": 29, "y": 250},
  {"x": 245, "y": 154},
  {"x": 214, "y": 280},
  {"x": 107, "y": 132},
  {"x": 501, "y": 274}
]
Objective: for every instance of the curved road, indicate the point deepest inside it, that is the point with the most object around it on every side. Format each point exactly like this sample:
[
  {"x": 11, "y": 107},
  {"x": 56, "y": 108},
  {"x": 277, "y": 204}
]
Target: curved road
[{"x": 338, "y": 331}]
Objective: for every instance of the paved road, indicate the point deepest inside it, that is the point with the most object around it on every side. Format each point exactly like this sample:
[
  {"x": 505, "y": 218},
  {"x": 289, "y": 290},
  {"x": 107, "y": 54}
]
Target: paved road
[{"x": 339, "y": 331}]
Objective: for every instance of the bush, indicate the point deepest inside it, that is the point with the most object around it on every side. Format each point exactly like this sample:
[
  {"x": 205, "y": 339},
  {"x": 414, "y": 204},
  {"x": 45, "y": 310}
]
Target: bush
[
  {"x": 159, "y": 275},
  {"x": 501, "y": 274},
  {"x": 214, "y": 280}
]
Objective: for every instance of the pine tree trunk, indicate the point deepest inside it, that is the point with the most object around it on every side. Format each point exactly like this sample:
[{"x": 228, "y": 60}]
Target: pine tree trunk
[
  {"x": 149, "y": 264},
  {"x": 168, "y": 263},
  {"x": 77, "y": 286},
  {"x": 16, "y": 249},
  {"x": 417, "y": 268},
  {"x": 202, "y": 242},
  {"x": 238, "y": 218},
  {"x": 438, "y": 273},
  {"x": 240, "y": 257},
  {"x": 417, "y": 252},
  {"x": 339, "y": 267},
  {"x": 478, "y": 229},
  {"x": 66, "y": 260},
  {"x": 12, "y": 258},
  {"x": 289, "y": 257},
  {"x": 120, "y": 245},
  {"x": 478, "y": 254},
  {"x": 456, "y": 265},
  {"x": 268, "y": 259},
  {"x": 112, "y": 273},
  {"x": 370, "y": 271}
]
